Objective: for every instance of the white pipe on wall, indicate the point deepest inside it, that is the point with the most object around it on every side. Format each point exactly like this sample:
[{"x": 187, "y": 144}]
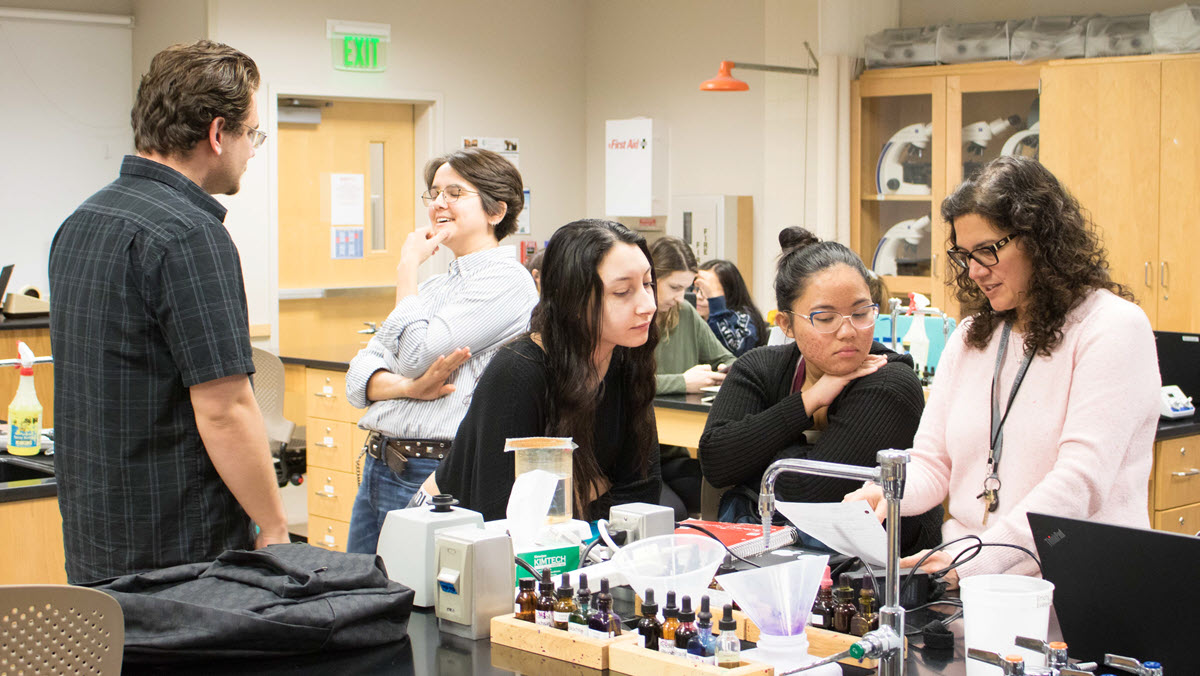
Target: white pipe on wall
[{"x": 65, "y": 17}]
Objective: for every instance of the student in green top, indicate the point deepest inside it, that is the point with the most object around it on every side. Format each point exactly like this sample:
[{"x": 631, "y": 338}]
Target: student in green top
[{"x": 689, "y": 356}]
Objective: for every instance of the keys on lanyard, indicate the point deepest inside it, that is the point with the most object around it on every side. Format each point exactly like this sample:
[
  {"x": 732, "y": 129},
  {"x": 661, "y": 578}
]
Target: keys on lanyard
[{"x": 991, "y": 492}]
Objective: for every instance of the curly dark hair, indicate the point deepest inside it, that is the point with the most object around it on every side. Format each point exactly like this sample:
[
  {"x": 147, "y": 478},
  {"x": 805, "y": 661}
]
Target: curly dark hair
[
  {"x": 187, "y": 87},
  {"x": 1018, "y": 196},
  {"x": 568, "y": 320}
]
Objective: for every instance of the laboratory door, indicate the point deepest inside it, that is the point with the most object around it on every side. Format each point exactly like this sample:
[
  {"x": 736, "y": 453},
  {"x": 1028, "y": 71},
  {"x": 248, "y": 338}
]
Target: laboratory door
[{"x": 346, "y": 204}]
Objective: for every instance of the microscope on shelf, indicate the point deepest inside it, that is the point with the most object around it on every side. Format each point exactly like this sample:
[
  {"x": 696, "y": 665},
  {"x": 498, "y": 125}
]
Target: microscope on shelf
[{"x": 886, "y": 643}]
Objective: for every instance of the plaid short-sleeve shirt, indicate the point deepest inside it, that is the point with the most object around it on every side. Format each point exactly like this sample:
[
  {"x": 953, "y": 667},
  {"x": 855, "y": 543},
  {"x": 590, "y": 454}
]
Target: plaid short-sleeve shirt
[{"x": 147, "y": 301}]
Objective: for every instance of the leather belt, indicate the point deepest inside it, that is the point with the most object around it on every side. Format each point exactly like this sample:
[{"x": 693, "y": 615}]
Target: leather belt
[{"x": 396, "y": 452}]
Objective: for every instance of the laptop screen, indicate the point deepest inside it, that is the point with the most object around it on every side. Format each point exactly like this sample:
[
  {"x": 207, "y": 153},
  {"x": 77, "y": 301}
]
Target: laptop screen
[
  {"x": 1119, "y": 590},
  {"x": 1179, "y": 360},
  {"x": 5, "y": 273}
]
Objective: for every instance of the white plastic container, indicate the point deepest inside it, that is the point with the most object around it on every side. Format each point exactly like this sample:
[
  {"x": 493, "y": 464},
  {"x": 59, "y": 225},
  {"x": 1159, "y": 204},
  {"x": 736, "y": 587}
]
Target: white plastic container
[
  {"x": 684, "y": 564},
  {"x": 999, "y": 608},
  {"x": 407, "y": 547},
  {"x": 25, "y": 412}
]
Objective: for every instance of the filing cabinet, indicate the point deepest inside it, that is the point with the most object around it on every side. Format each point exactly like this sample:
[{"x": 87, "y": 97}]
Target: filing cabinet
[
  {"x": 1175, "y": 487},
  {"x": 334, "y": 443}
]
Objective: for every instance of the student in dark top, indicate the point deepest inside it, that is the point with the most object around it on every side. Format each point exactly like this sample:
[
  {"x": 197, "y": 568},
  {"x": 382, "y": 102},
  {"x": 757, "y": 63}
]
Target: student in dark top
[
  {"x": 585, "y": 371},
  {"x": 833, "y": 395},
  {"x": 724, "y": 301}
]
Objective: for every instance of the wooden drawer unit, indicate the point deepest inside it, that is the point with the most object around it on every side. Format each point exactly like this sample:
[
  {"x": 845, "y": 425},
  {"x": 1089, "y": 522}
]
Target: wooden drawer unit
[
  {"x": 331, "y": 493},
  {"x": 331, "y": 445},
  {"x": 1177, "y": 472},
  {"x": 327, "y": 533},
  {"x": 1185, "y": 520},
  {"x": 327, "y": 396}
]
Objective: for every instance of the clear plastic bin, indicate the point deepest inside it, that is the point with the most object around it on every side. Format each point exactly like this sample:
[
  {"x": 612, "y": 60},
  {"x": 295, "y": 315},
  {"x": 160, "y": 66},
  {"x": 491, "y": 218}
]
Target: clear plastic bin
[
  {"x": 1176, "y": 29},
  {"x": 1047, "y": 37},
  {"x": 553, "y": 455},
  {"x": 1118, "y": 35},
  {"x": 967, "y": 42},
  {"x": 899, "y": 47}
]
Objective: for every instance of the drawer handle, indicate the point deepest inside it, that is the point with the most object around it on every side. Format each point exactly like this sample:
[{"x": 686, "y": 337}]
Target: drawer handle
[
  {"x": 326, "y": 546},
  {"x": 324, "y": 396},
  {"x": 326, "y": 445},
  {"x": 323, "y": 494},
  {"x": 1191, "y": 472}
]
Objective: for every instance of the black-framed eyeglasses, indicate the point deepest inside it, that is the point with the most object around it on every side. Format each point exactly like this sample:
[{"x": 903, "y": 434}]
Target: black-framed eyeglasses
[
  {"x": 452, "y": 194},
  {"x": 828, "y": 321},
  {"x": 257, "y": 137},
  {"x": 986, "y": 256}
]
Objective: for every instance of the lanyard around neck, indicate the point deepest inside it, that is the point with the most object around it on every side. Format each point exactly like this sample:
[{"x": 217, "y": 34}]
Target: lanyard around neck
[{"x": 997, "y": 435}]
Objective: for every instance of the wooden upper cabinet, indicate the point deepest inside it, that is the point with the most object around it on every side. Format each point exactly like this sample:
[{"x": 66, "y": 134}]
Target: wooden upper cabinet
[
  {"x": 1178, "y": 271},
  {"x": 1100, "y": 135}
]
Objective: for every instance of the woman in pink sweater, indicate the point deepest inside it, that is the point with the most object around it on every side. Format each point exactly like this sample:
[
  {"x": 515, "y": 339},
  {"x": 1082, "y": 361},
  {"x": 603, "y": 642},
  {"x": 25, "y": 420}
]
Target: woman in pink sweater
[{"x": 1076, "y": 439}]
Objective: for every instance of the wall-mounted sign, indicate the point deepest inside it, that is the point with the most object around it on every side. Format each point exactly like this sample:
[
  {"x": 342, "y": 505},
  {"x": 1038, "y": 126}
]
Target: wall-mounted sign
[{"x": 358, "y": 45}]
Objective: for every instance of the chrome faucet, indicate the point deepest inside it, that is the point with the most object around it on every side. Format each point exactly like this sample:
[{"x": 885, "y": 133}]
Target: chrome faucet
[{"x": 886, "y": 643}]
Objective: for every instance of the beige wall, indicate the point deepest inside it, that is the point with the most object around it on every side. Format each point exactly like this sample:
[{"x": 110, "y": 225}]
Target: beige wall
[
  {"x": 162, "y": 24},
  {"x": 648, "y": 59},
  {"x": 924, "y": 12}
]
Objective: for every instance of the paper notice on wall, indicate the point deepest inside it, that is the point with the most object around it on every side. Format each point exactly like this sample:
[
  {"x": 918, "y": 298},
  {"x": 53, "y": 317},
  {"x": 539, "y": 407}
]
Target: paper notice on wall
[
  {"x": 346, "y": 243},
  {"x": 347, "y": 199},
  {"x": 846, "y": 527},
  {"x": 507, "y": 147}
]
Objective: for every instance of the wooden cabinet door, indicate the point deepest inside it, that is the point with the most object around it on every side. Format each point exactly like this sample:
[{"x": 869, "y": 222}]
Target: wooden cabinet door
[
  {"x": 341, "y": 144},
  {"x": 1100, "y": 135},
  {"x": 1178, "y": 288}
]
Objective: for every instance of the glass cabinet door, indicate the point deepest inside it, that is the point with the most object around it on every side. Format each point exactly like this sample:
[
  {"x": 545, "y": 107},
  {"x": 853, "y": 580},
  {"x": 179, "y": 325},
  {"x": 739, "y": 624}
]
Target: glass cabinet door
[{"x": 898, "y": 173}]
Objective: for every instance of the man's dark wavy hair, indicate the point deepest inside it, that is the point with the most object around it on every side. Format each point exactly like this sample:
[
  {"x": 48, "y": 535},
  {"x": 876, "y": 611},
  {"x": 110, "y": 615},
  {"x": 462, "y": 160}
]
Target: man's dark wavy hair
[
  {"x": 186, "y": 88},
  {"x": 1017, "y": 195}
]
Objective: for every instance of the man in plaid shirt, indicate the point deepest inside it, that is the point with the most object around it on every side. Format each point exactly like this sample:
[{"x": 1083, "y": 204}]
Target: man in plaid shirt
[{"x": 161, "y": 452}]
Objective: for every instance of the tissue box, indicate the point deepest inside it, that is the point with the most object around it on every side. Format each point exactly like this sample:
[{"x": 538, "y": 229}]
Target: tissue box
[{"x": 559, "y": 559}]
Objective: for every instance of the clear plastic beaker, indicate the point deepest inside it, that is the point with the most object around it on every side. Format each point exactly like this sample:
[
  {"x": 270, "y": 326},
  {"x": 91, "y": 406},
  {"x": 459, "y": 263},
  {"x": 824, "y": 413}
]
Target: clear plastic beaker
[
  {"x": 999, "y": 608},
  {"x": 552, "y": 455}
]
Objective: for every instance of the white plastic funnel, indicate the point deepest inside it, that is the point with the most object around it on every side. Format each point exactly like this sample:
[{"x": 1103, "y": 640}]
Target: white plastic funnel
[
  {"x": 778, "y": 598},
  {"x": 684, "y": 564}
]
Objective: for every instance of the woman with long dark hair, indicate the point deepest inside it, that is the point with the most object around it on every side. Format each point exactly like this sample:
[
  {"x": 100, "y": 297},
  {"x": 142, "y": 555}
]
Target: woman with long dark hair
[
  {"x": 1054, "y": 355},
  {"x": 585, "y": 371},
  {"x": 834, "y": 395},
  {"x": 724, "y": 301}
]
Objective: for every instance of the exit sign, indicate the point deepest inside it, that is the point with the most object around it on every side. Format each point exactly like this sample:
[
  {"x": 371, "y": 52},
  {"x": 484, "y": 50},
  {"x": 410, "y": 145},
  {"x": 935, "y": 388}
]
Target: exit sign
[{"x": 359, "y": 46}]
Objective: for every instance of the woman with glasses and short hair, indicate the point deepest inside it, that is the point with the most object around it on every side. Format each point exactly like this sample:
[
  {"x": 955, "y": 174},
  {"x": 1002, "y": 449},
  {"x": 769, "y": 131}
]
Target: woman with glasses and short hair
[
  {"x": 1046, "y": 396},
  {"x": 417, "y": 374},
  {"x": 834, "y": 395}
]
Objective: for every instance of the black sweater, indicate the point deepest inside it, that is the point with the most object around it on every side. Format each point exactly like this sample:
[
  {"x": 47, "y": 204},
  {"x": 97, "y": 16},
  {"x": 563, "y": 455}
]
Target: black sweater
[
  {"x": 755, "y": 420},
  {"x": 511, "y": 400}
]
